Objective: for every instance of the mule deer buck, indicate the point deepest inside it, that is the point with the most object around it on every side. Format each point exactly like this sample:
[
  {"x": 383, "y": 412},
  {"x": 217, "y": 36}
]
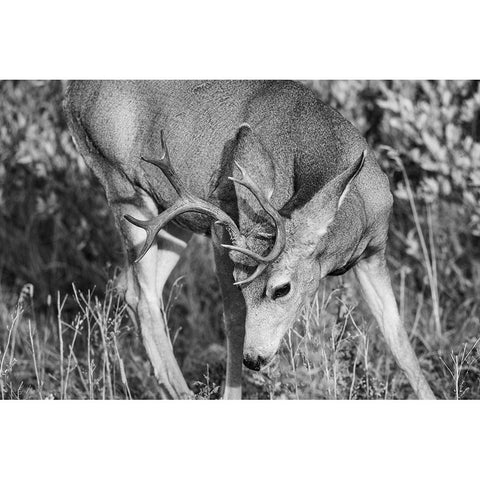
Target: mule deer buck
[{"x": 287, "y": 189}]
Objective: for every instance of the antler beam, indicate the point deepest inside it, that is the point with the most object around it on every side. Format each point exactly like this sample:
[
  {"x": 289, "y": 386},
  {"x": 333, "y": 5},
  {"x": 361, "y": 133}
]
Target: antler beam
[{"x": 280, "y": 239}]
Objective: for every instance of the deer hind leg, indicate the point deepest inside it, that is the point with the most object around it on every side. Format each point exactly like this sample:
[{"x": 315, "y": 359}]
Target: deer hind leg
[
  {"x": 145, "y": 282},
  {"x": 374, "y": 278},
  {"x": 234, "y": 315}
]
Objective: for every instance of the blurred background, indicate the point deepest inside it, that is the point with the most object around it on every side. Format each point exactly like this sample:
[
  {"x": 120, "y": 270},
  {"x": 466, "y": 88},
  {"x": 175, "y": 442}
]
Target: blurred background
[{"x": 64, "y": 330}]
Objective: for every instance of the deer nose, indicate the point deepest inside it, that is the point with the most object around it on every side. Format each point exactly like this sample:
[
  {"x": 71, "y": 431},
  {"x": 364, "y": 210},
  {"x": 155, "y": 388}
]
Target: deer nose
[{"x": 254, "y": 362}]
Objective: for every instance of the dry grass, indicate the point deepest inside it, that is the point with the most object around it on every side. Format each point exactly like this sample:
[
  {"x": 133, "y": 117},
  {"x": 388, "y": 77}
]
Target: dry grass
[{"x": 86, "y": 347}]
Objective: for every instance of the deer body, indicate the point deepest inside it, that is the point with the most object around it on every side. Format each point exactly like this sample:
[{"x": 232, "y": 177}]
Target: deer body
[{"x": 299, "y": 159}]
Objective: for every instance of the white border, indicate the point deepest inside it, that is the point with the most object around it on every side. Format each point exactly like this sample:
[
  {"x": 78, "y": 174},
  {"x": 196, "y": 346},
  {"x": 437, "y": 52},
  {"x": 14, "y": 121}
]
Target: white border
[
  {"x": 243, "y": 39},
  {"x": 250, "y": 439}
]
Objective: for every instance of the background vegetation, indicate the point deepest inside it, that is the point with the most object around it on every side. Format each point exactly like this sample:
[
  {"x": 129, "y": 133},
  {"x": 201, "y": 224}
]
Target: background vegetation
[{"x": 64, "y": 332}]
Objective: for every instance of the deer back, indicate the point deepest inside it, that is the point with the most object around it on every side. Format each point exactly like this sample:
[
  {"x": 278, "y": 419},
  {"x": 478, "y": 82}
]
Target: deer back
[{"x": 295, "y": 145}]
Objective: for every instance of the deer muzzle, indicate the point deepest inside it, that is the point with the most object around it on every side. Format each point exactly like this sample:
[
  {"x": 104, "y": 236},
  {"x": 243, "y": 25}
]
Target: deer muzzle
[
  {"x": 253, "y": 362},
  {"x": 257, "y": 359}
]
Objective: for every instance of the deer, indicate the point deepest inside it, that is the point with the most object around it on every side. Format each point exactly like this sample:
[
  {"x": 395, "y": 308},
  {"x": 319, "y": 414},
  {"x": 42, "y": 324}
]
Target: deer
[{"x": 286, "y": 188}]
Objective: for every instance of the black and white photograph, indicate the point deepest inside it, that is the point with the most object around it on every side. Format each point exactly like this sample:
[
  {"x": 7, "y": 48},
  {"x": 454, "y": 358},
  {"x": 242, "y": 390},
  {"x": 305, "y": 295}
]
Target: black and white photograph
[{"x": 239, "y": 240}]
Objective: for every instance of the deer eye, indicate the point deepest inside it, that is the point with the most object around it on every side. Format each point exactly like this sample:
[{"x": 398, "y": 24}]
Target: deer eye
[{"x": 281, "y": 291}]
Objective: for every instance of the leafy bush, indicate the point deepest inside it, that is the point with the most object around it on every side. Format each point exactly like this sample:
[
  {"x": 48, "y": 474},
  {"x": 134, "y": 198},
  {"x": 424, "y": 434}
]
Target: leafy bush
[{"x": 55, "y": 227}]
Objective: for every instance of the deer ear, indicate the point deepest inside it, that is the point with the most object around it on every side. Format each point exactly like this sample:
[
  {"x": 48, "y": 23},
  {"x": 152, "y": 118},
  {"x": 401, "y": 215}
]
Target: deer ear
[
  {"x": 340, "y": 185},
  {"x": 250, "y": 153},
  {"x": 314, "y": 218}
]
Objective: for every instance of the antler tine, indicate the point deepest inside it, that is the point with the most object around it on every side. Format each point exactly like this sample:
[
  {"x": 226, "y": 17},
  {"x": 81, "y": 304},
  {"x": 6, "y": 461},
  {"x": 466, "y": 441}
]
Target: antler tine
[
  {"x": 153, "y": 226},
  {"x": 165, "y": 165},
  {"x": 258, "y": 271},
  {"x": 279, "y": 245}
]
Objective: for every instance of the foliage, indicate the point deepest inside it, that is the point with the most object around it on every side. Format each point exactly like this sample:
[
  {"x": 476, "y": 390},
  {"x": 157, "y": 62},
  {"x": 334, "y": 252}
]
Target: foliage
[
  {"x": 435, "y": 126},
  {"x": 59, "y": 341},
  {"x": 55, "y": 227}
]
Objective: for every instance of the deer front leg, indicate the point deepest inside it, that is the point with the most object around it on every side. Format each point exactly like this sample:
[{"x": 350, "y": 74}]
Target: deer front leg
[
  {"x": 234, "y": 315},
  {"x": 374, "y": 278},
  {"x": 145, "y": 282}
]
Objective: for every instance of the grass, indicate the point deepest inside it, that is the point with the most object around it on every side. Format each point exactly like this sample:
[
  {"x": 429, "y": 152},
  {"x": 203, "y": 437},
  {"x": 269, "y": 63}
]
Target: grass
[
  {"x": 85, "y": 346},
  {"x": 65, "y": 332}
]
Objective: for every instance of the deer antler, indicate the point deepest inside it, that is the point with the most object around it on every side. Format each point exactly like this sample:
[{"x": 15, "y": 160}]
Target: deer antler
[
  {"x": 190, "y": 203},
  {"x": 280, "y": 239}
]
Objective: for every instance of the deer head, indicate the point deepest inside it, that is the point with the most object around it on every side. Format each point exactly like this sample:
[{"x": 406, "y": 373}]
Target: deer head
[
  {"x": 276, "y": 258},
  {"x": 275, "y": 297}
]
